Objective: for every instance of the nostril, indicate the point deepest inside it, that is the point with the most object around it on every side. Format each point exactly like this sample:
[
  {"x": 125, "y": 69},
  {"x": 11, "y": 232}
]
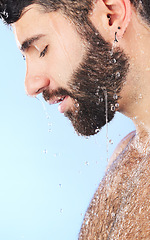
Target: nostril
[{"x": 39, "y": 91}]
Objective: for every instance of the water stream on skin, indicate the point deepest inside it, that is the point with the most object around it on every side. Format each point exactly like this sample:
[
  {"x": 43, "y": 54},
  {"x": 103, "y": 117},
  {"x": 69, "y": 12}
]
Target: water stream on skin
[
  {"x": 46, "y": 114},
  {"x": 106, "y": 107},
  {"x": 106, "y": 112}
]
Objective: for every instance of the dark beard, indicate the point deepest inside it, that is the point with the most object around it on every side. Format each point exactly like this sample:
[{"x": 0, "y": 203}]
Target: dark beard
[{"x": 96, "y": 84}]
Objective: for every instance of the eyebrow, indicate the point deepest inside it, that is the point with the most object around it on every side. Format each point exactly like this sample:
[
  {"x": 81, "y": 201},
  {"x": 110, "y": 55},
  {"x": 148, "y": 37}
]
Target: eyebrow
[{"x": 29, "y": 41}]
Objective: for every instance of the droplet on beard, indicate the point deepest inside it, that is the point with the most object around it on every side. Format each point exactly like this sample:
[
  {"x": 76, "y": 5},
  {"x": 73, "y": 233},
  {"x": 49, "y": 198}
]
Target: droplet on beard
[
  {"x": 115, "y": 96},
  {"x": 97, "y": 130},
  {"x": 76, "y": 105},
  {"x": 112, "y": 108},
  {"x": 117, "y": 74}
]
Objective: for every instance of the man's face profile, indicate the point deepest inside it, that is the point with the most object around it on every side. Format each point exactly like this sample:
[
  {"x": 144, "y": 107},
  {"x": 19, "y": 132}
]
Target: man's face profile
[
  {"x": 90, "y": 56},
  {"x": 84, "y": 74}
]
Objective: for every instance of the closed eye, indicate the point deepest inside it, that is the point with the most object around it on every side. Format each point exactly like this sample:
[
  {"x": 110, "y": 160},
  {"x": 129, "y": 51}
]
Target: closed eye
[{"x": 42, "y": 54}]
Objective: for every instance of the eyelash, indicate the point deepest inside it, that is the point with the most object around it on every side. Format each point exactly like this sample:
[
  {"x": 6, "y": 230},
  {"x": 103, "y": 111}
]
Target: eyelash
[{"x": 42, "y": 54}]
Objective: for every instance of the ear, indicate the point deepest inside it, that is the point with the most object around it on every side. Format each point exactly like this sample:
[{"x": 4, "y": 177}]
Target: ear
[{"x": 110, "y": 17}]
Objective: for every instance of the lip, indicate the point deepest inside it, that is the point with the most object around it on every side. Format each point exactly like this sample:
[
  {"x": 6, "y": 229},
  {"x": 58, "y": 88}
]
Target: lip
[
  {"x": 56, "y": 100},
  {"x": 64, "y": 105},
  {"x": 64, "y": 102}
]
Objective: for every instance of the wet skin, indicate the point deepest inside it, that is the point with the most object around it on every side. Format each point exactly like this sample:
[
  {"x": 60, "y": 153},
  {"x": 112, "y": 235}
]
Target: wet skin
[
  {"x": 77, "y": 71},
  {"x": 120, "y": 207},
  {"x": 50, "y": 56}
]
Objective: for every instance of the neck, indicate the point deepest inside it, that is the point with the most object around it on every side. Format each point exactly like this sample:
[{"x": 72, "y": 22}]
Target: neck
[{"x": 135, "y": 101}]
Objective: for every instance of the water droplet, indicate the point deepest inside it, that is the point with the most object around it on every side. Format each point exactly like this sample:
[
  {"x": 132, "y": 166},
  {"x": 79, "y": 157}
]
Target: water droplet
[
  {"x": 87, "y": 163},
  {"x": 61, "y": 210},
  {"x": 97, "y": 130},
  {"x": 116, "y": 105},
  {"x": 101, "y": 99},
  {"x": 140, "y": 96},
  {"x": 45, "y": 110},
  {"x": 86, "y": 223},
  {"x": 112, "y": 108},
  {"x": 97, "y": 43},
  {"x": 77, "y": 104},
  {"x": 96, "y": 33},
  {"x": 45, "y": 151},
  {"x": 140, "y": 210},
  {"x": 110, "y": 141},
  {"x": 114, "y": 60},
  {"x": 117, "y": 74},
  {"x": 115, "y": 96}
]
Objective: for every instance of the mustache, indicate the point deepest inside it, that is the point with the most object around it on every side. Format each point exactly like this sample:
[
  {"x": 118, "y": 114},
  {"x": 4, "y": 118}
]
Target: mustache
[{"x": 47, "y": 94}]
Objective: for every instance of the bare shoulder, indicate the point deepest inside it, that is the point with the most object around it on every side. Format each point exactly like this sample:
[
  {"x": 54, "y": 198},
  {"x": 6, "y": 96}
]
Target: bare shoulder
[{"x": 121, "y": 146}]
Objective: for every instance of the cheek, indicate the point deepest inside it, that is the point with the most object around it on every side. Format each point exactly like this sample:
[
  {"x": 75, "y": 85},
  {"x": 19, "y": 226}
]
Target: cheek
[
  {"x": 59, "y": 65},
  {"x": 74, "y": 50}
]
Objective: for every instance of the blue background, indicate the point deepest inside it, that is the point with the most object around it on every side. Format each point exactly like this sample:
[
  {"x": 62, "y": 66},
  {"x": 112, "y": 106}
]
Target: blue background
[{"x": 48, "y": 174}]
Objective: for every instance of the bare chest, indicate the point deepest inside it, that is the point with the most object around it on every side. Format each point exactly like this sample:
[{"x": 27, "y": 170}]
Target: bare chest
[{"x": 120, "y": 208}]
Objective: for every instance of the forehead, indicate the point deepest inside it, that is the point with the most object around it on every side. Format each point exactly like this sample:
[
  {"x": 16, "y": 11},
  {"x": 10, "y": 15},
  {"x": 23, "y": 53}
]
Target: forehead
[{"x": 35, "y": 21}]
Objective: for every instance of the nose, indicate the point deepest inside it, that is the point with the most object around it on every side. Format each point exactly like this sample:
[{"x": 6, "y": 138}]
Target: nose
[{"x": 35, "y": 82}]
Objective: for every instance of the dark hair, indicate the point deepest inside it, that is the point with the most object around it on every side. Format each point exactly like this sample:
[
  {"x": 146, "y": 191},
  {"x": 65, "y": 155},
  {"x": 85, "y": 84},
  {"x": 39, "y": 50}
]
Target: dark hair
[
  {"x": 11, "y": 10},
  {"x": 77, "y": 10},
  {"x": 143, "y": 7}
]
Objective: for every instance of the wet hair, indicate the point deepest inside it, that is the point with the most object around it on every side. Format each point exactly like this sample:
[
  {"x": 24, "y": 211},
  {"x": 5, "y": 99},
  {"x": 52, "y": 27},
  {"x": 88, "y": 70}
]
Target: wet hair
[
  {"x": 11, "y": 10},
  {"x": 77, "y": 10},
  {"x": 143, "y": 7}
]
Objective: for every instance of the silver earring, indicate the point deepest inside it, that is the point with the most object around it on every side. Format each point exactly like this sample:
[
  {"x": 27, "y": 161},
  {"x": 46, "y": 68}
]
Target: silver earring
[
  {"x": 116, "y": 40},
  {"x": 115, "y": 37}
]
